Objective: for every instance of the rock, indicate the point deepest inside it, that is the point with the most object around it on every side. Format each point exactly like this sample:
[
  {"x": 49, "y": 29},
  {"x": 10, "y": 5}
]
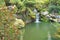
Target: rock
[
  {"x": 57, "y": 35},
  {"x": 58, "y": 16},
  {"x": 28, "y": 21},
  {"x": 11, "y": 7},
  {"x": 19, "y": 22},
  {"x": 45, "y": 13},
  {"x": 58, "y": 20}
]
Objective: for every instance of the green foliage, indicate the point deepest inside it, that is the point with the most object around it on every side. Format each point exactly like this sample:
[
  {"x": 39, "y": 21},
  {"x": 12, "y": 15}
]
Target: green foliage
[
  {"x": 7, "y": 20},
  {"x": 2, "y": 3},
  {"x": 54, "y": 5},
  {"x": 25, "y": 8},
  {"x": 44, "y": 18},
  {"x": 40, "y": 5}
]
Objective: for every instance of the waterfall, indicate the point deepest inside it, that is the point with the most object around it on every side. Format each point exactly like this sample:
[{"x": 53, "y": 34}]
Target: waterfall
[{"x": 37, "y": 16}]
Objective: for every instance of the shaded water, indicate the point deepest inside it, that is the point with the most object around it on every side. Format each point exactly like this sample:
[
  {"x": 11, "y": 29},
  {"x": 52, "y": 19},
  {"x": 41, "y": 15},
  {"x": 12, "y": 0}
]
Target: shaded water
[{"x": 37, "y": 31}]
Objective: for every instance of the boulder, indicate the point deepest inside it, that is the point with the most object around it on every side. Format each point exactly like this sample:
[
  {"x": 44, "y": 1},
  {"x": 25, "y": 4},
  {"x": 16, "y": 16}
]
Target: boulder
[
  {"x": 19, "y": 22},
  {"x": 44, "y": 13}
]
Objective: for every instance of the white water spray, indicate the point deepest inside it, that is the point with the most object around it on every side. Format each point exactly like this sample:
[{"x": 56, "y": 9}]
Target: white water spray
[{"x": 37, "y": 16}]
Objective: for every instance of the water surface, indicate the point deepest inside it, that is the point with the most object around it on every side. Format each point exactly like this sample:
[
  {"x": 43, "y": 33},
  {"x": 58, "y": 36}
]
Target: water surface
[{"x": 38, "y": 31}]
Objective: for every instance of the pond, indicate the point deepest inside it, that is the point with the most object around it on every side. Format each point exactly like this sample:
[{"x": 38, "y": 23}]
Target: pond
[{"x": 38, "y": 31}]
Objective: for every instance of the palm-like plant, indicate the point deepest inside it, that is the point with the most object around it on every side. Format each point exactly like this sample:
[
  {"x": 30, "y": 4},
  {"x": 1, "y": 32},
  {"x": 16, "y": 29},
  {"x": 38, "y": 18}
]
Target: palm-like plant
[
  {"x": 23, "y": 7},
  {"x": 26, "y": 7}
]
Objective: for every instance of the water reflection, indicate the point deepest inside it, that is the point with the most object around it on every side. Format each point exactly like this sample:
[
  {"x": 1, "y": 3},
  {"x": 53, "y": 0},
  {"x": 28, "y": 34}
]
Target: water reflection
[
  {"x": 49, "y": 36},
  {"x": 37, "y": 26},
  {"x": 22, "y": 31},
  {"x": 38, "y": 31}
]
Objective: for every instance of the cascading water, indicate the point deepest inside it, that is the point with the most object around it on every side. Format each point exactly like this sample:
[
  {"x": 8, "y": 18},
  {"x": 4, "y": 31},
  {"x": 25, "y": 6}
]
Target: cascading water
[{"x": 37, "y": 16}]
